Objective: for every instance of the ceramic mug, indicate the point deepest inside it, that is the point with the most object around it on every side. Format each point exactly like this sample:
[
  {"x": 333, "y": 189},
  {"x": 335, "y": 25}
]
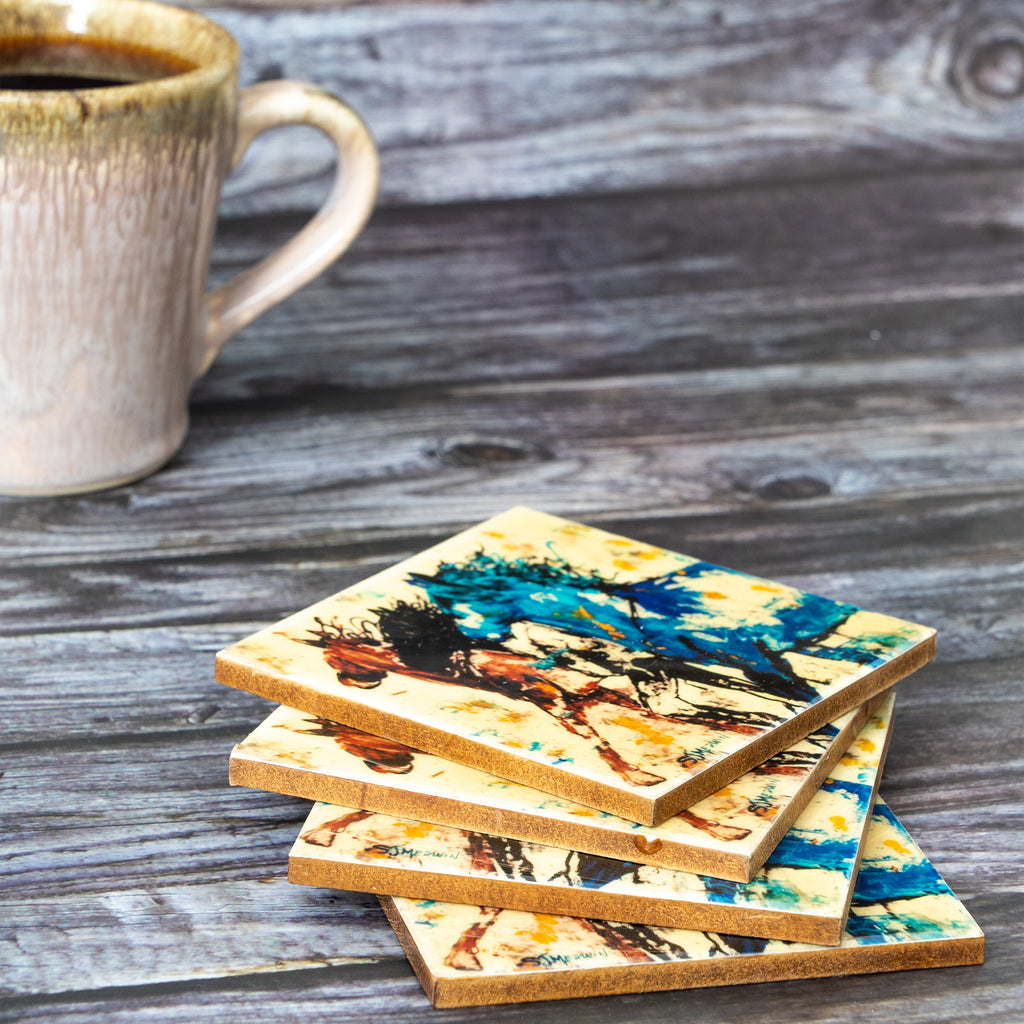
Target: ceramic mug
[{"x": 108, "y": 203}]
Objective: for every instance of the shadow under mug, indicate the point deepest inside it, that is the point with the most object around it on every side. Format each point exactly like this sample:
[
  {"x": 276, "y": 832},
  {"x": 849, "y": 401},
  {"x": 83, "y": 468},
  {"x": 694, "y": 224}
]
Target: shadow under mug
[{"x": 108, "y": 204}]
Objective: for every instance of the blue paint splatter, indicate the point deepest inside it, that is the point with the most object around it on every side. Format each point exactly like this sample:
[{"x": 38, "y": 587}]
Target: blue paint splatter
[
  {"x": 805, "y": 848},
  {"x": 594, "y": 872},
  {"x": 664, "y": 617},
  {"x": 880, "y": 884}
]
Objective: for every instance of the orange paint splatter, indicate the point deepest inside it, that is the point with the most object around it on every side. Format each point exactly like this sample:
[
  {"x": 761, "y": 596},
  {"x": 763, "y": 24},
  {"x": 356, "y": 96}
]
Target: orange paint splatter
[
  {"x": 714, "y": 595},
  {"x": 769, "y": 590},
  {"x": 838, "y": 823},
  {"x": 551, "y": 691},
  {"x": 581, "y": 813},
  {"x": 416, "y": 829},
  {"x": 647, "y": 731},
  {"x": 546, "y": 931},
  {"x": 849, "y": 760},
  {"x": 513, "y": 716},
  {"x": 621, "y": 563},
  {"x": 866, "y": 745},
  {"x": 582, "y": 613},
  {"x": 493, "y": 533},
  {"x": 898, "y": 847}
]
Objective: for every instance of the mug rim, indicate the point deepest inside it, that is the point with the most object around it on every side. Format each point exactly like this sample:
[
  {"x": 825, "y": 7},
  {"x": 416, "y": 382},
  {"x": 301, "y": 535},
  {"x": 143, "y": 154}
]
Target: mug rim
[{"x": 222, "y": 63}]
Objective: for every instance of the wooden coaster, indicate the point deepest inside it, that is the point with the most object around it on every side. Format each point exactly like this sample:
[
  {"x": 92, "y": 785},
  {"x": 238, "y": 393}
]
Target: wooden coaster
[
  {"x": 903, "y": 917},
  {"x": 728, "y": 834},
  {"x": 802, "y": 892},
  {"x": 615, "y": 674}
]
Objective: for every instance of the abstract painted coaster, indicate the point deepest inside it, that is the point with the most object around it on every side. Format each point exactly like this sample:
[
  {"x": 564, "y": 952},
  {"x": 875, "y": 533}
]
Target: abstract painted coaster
[
  {"x": 802, "y": 892},
  {"x": 903, "y": 917},
  {"x": 609, "y": 672},
  {"x": 728, "y": 834}
]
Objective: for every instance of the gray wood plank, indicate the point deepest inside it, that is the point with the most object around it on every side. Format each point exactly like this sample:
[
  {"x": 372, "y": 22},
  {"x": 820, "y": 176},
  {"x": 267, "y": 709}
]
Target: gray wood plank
[
  {"x": 510, "y": 98},
  {"x": 823, "y": 541},
  {"x": 387, "y": 470},
  {"x": 139, "y": 871},
  {"x": 818, "y": 382},
  {"x": 164, "y": 932},
  {"x": 114, "y": 821},
  {"x": 673, "y": 281},
  {"x": 467, "y": 393},
  {"x": 390, "y": 992},
  {"x": 133, "y": 683}
]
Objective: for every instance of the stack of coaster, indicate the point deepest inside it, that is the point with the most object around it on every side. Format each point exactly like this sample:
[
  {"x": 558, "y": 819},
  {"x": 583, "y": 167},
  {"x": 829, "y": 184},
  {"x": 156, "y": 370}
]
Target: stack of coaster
[{"x": 574, "y": 764}]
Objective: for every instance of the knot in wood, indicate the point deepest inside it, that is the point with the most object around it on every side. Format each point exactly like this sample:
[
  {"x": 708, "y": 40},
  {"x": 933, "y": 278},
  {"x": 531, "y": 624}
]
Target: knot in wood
[
  {"x": 988, "y": 67},
  {"x": 997, "y": 68},
  {"x": 488, "y": 452},
  {"x": 792, "y": 487}
]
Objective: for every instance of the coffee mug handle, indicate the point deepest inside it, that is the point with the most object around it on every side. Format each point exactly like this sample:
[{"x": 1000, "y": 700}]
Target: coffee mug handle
[{"x": 331, "y": 231}]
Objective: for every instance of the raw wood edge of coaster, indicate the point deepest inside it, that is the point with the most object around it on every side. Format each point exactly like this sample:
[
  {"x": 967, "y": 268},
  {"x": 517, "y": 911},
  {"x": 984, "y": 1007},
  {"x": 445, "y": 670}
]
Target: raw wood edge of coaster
[
  {"x": 446, "y": 992},
  {"x": 546, "y": 778},
  {"x": 309, "y": 784},
  {"x": 409, "y": 947},
  {"x": 676, "y": 855},
  {"x": 821, "y": 771},
  {"x": 636, "y": 807},
  {"x": 797, "y": 728},
  {"x": 540, "y": 898},
  {"x": 865, "y": 828}
]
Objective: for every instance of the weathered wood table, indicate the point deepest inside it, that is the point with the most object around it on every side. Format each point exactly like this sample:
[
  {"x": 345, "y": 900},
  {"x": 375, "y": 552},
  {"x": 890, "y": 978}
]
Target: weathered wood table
[{"x": 743, "y": 281}]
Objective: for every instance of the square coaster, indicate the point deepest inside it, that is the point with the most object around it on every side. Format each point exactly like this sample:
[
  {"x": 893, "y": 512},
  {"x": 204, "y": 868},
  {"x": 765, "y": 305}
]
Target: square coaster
[
  {"x": 728, "y": 834},
  {"x": 802, "y": 892},
  {"x": 612, "y": 673},
  {"x": 903, "y": 917}
]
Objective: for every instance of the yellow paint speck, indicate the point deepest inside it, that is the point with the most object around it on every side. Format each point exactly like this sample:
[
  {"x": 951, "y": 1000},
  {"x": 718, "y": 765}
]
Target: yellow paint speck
[
  {"x": 415, "y": 829},
  {"x": 898, "y": 847},
  {"x": 866, "y": 745},
  {"x": 582, "y": 613},
  {"x": 621, "y": 563},
  {"x": 714, "y": 595},
  {"x": 769, "y": 590},
  {"x": 645, "y": 730},
  {"x": 547, "y": 929},
  {"x": 838, "y": 823},
  {"x": 513, "y": 717}
]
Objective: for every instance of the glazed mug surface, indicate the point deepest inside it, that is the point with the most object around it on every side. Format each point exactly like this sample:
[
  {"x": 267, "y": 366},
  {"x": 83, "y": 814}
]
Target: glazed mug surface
[{"x": 108, "y": 204}]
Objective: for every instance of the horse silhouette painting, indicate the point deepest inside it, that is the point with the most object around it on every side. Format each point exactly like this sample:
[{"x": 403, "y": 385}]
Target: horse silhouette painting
[{"x": 700, "y": 647}]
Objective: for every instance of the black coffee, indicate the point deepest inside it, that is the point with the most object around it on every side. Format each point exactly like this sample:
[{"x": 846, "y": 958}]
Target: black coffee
[
  {"x": 76, "y": 62},
  {"x": 50, "y": 83}
]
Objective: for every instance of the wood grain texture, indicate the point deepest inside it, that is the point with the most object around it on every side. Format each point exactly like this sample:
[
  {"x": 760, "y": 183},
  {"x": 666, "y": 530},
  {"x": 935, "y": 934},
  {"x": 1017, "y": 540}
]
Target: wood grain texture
[
  {"x": 863, "y": 310},
  {"x": 134, "y": 870},
  {"x": 520, "y": 98},
  {"x": 810, "y": 375}
]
